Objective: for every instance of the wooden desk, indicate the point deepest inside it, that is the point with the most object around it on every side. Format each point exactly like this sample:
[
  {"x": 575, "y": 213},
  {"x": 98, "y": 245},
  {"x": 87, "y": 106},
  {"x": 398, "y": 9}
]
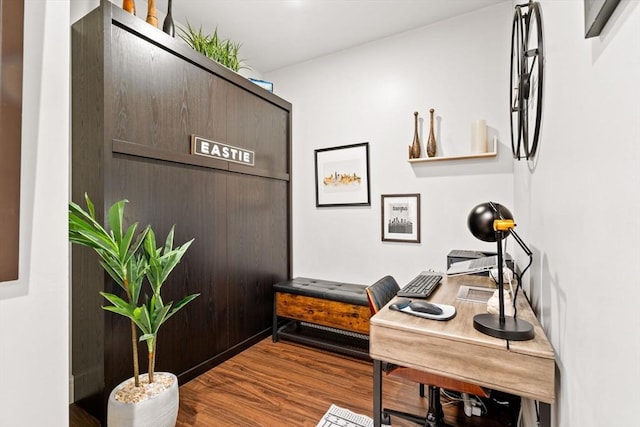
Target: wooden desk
[{"x": 455, "y": 349}]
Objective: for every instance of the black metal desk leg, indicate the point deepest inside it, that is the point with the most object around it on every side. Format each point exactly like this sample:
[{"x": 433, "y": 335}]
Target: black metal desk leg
[
  {"x": 377, "y": 393},
  {"x": 545, "y": 415}
]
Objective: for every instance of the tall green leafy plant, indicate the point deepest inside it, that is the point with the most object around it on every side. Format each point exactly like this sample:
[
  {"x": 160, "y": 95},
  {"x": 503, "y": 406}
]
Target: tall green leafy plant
[
  {"x": 128, "y": 262},
  {"x": 214, "y": 47},
  {"x": 118, "y": 252},
  {"x": 149, "y": 318}
]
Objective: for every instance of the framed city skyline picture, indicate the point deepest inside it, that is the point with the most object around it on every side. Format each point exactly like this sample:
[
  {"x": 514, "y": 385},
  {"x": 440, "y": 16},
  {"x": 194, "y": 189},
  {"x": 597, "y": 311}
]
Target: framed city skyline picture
[
  {"x": 401, "y": 218},
  {"x": 342, "y": 176}
]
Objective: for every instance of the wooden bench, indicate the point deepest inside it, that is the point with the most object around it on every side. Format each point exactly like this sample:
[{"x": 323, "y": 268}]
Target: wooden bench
[{"x": 330, "y": 315}]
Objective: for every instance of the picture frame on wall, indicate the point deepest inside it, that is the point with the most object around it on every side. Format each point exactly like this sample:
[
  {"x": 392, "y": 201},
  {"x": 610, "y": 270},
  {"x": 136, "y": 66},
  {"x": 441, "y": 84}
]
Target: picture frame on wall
[
  {"x": 401, "y": 218},
  {"x": 342, "y": 176}
]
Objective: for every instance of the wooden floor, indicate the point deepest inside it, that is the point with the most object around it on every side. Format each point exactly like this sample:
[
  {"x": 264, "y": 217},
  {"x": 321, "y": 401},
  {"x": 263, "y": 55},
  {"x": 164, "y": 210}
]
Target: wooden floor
[{"x": 284, "y": 384}]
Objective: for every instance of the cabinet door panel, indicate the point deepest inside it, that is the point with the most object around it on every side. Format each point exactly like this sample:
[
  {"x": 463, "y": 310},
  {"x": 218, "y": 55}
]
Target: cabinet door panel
[
  {"x": 257, "y": 250},
  {"x": 159, "y": 99},
  {"x": 163, "y": 194},
  {"x": 257, "y": 125}
]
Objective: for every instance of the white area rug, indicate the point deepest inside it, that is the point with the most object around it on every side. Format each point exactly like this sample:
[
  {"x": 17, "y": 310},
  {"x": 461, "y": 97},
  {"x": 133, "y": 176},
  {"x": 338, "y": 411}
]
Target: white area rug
[{"x": 340, "y": 417}]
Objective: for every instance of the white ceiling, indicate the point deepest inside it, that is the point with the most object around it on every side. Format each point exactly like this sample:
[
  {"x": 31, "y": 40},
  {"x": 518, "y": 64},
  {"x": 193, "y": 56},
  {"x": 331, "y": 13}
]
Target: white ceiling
[{"x": 278, "y": 33}]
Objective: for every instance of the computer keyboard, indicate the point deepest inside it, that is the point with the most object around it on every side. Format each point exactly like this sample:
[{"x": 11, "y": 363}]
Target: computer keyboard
[
  {"x": 340, "y": 417},
  {"x": 421, "y": 286}
]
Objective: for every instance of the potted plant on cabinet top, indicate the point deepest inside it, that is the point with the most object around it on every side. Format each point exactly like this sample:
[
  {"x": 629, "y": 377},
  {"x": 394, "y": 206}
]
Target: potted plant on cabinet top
[
  {"x": 129, "y": 258},
  {"x": 214, "y": 47}
]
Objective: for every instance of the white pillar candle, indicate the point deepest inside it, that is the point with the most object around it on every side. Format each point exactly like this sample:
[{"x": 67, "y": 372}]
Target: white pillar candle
[{"x": 479, "y": 137}]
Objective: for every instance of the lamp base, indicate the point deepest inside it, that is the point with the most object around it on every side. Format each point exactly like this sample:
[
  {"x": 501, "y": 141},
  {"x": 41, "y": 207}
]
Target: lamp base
[{"x": 511, "y": 329}]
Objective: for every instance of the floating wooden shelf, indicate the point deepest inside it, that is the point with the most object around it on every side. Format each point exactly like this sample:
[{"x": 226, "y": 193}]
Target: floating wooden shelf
[{"x": 493, "y": 153}]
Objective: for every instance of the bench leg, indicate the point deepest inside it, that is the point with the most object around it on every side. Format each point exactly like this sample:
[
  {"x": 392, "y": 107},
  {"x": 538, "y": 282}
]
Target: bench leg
[{"x": 274, "y": 331}]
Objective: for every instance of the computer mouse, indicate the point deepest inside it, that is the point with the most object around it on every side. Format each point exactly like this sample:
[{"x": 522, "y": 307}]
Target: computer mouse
[
  {"x": 399, "y": 304},
  {"x": 425, "y": 307}
]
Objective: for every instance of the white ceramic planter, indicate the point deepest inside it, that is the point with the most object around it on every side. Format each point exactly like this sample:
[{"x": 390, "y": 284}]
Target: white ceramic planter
[{"x": 157, "y": 411}]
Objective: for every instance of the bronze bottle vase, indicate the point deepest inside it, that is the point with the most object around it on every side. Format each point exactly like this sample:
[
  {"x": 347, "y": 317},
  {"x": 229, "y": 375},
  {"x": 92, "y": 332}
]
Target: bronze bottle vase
[
  {"x": 431, "y": 142},
  {"x": 414, "y": 149},
  {"x": 129, "y": 6},
  {"x": 152, "y": 14}
]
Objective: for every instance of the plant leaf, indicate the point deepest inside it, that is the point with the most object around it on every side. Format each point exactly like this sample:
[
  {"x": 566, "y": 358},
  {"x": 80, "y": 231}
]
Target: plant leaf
[
  {"x": 184, "y": 301},
  {"x": 115, "y": 216}
]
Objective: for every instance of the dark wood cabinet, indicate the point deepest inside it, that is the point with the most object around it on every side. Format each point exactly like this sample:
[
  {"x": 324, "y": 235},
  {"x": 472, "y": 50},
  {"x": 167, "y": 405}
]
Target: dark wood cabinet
[{"x": 137, "y": 97}]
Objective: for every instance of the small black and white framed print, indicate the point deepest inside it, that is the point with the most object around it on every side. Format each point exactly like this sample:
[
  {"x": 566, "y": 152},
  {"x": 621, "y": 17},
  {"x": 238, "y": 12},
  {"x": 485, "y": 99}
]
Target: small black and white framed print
[
  {"x": 401, "y": 218},
  {"x": 342, "y": 176}
]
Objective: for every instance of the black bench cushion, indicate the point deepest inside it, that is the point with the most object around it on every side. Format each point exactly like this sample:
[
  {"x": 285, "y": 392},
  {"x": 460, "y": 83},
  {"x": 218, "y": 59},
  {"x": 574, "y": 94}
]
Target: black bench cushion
[{"x": 324, "y": 289}]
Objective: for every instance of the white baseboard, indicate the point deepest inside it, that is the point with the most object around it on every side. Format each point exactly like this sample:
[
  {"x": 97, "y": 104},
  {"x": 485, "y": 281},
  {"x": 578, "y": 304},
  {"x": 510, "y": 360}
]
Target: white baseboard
[{"x": 71, "y": 399}]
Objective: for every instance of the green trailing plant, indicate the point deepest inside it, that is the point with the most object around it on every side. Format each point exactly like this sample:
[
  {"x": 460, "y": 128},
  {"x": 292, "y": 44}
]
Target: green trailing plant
[
  {"x": 128, "y": 258},
  {"x": 213, "y": 47}
]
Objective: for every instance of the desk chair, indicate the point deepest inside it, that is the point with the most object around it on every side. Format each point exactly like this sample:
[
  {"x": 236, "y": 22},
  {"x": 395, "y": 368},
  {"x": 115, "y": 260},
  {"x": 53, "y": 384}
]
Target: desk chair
[{"x": 379, "y": 294}]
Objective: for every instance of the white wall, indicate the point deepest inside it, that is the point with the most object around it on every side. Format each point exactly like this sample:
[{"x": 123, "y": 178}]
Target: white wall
[
  {"x": 368, "y": 94},
  {"x": 574, "y": 204},
  {"x": 34, "y": 339},
  {"x": 579, "y": 207}
]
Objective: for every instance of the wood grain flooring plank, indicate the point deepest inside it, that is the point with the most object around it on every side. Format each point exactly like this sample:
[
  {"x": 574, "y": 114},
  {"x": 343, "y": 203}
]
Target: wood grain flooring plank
[{"x": 289, "y": 385}]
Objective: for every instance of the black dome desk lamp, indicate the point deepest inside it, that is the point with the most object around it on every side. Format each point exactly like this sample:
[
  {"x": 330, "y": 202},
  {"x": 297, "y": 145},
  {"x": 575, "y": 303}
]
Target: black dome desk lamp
[{"x": 492, "y": 222}]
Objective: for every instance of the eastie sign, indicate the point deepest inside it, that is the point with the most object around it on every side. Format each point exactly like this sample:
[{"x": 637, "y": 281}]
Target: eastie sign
[{"x": 218, "y": 150}]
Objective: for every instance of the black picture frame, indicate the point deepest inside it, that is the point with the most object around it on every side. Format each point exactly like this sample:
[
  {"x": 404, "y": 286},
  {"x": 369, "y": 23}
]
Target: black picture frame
[
  {"x": 400, "y": 218},
  {"x": 596, "y": 15},
  {"x": 342, "y": 176}
]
